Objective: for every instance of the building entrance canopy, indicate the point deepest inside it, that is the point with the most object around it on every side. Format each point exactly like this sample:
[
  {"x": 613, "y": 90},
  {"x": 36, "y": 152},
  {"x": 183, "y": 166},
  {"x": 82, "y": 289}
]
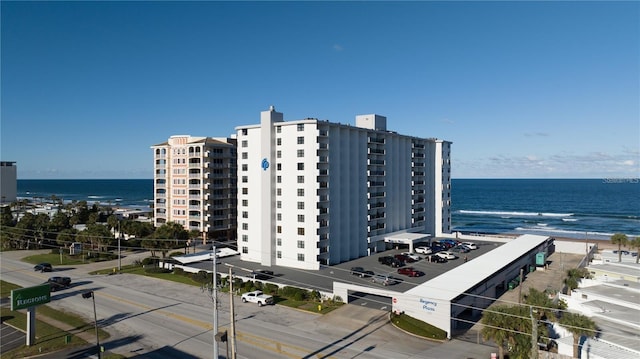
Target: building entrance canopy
[{"x": 407, "y": 238}]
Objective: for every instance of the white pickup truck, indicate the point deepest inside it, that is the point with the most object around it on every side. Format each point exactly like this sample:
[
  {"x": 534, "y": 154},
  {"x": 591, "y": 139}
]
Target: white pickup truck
[{"x": 257, "y": 297}]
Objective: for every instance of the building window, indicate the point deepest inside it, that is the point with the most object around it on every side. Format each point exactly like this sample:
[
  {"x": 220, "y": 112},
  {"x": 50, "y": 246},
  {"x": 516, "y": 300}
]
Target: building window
[
  {"x": 245, "y": 143},
  {"x": 245, "y": 155},
  {"x": 300, "y": 153},
  {"x": 278, "y": 191},
  {"x": 301, "y": 218},
  {"x": 278, "y": 204},
  {"x": 301, "y": 244},
  {"x": 278, "y": 179},
  {"x": 245, "y": 238},
  {"x": 300, "y": 179},
  {"x": 245, "y": 167},
  {"x": 300, "y": 140},
  {"x": 278, "y": 241},
  {"x": 279, "y": 254},
  {"x": 279, "y": 216},
  {"x": 279, "y": 229},
  {"x": 300, "y": 166},
  {"x": 244, "y": 131},
  {"x": 279, "y": 167},
  {"x": 245, "y": 203},
  {"x": 300, "y": 205},
  {"x": 300, "y": 192},
  {"x": 301, "y": 127},
  {"x": 245, "y": 250},
  {"x": 300, "y": 257},
  {"x": 245, "y": 214},
  {"x": 245, "y": 190},
  {"x": 278, "y": 129},
  {"x": 278, "y": 154},
  {"x": 300, "y": 231},
  {"x": 245, "y": 179},
  {"x": 245, "y": 226},
  {"x": 278, "y": 141}
]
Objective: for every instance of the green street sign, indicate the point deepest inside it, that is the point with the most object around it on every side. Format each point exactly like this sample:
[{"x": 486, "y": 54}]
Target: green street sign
[{"x": 30, "y": 297}]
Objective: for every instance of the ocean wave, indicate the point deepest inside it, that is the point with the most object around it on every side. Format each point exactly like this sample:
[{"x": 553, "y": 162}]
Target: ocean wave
[
  {"x": 562, "y": 232},
  {"x": 95, "y": 197},
  {"x": 569, "y": 220},
  {"x": 504, "y": 214}
]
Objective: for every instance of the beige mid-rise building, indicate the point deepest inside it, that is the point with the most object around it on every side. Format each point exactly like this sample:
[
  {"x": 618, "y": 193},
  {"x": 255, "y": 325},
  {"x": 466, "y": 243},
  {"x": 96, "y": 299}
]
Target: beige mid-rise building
[{"x": 195, "y": 185}]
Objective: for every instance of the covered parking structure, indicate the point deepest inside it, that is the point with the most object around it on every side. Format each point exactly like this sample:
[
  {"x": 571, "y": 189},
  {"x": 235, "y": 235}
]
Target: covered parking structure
[
  {"x": 407, "y": 238},
  {"x": 472, "y": 286}
]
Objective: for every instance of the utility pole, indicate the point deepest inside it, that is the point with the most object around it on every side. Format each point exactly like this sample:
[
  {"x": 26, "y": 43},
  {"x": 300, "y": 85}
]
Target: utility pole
[
  {"x": 215, "y": 305},
  {"x": 534, "y": 334},
  {"x": 520, "y": 288},
  {"x": 119, "y": 255},
  {"x": 233, "y": 322}
]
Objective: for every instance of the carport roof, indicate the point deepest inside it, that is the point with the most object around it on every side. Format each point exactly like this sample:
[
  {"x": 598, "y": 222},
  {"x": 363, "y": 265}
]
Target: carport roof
[
  {"x": 406, "y": 237},
  {"x": 460, "y": 279}
]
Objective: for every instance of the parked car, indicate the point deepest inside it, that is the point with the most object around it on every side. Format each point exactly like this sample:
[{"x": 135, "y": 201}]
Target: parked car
[
  {"x": 357, "y": 271},
  {"x": 423, "y": 250},
  {"x": 43, "y": 267},
  {"x": 384, "y": 279},
  {"x": 434, "y": 258},
  {"x": 435, "y": 247},
  {"x": 390, "y": 261},
  {"x": 58, "y": 283},
  {"x": 470, "y": 245},
  {"x": 412, "y": 256},
  {"x": 410, "y": 272},
  {"x": 404, "y": 258},
  {"x": 460, "y": 249},
  {"x": 262, "y": 274},
  {"x": 446, "y": 255}
]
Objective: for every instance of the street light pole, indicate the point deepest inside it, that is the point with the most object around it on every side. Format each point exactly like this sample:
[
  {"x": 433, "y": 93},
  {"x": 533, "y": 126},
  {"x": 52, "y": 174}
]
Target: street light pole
[
  {"x": 233, "y": 322},
  {"x": 215, "y": 305},
  {"x": 95, "y": 319},
  {"x": 119, "y": 256}
]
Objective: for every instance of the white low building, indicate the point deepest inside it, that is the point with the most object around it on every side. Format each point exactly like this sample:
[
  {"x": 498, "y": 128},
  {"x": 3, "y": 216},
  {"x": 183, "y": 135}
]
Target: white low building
[{"x": 613, "y": 302}]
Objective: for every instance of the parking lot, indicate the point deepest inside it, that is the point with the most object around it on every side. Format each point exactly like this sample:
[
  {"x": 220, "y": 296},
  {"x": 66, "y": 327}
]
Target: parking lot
[{"x": 322, "y": 280}]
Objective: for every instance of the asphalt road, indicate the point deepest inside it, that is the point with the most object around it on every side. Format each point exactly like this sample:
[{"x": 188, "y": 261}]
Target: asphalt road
[{"x": 151, "y": 318}]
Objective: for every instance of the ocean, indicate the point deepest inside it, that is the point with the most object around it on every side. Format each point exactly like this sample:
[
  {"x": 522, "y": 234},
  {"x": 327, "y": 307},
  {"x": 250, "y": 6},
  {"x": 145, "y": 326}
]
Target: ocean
[{"x": 570, "y": 208}]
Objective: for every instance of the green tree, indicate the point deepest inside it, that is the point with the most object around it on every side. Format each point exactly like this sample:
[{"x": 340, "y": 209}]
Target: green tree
[
  {"x": 621, "y": 240},
  {"x": 635, "y": 244},
  {"x": 98, "y": 235},
  {"x": 67, "y": 236},
  {"x": 545, "y": 309},
  {"x": 170, "y": 235},
  {"x": 59, "y": 222},
  {"x": 578, "y": 325},
  {"x": 511, "y": 328}
]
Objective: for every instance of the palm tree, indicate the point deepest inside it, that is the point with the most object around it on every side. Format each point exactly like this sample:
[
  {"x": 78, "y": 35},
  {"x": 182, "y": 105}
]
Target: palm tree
[
  {"x": 621, "y": 240},
  {"x": 635, "y": 244},
  {"x": 578, "y": 325},
  {"x": 493, "y": 323}
]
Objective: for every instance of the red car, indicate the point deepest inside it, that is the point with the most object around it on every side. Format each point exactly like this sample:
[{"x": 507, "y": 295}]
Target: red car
[{"x": 410, "y": 272}]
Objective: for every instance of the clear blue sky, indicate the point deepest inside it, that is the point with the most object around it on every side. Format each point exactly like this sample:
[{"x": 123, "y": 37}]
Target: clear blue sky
[{"x": 522, "y": 89}]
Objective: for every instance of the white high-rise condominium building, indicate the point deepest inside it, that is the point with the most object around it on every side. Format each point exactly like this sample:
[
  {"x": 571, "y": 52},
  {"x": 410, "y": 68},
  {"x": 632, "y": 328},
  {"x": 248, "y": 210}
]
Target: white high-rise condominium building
[
  {"x": 195, "y": 185},
  {"x": 313, "y": 193}
]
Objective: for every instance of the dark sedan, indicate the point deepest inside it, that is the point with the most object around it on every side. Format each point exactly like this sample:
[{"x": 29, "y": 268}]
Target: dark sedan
[{"x": 43, "y": 267}]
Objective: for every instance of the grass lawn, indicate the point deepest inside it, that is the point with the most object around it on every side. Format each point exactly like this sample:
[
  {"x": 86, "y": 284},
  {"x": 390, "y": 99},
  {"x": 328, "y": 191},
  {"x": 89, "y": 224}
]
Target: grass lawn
[
  {"x": 54, "y": 259},
  {"x": 418, "y": 327},
  {"x": 48, "y": 338}
]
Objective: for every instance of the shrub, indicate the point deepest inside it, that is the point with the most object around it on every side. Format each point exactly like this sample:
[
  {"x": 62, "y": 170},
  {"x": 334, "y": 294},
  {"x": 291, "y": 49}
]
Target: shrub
[
  {"x": 178, "y": 271},
  {"x": 157, "y": 270},
  {"x": 150, "y": 260},
  {"x": 202, "y": 277},
  {"x": 270, "y": 288},
  {"x": 175, "y": 254}
]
